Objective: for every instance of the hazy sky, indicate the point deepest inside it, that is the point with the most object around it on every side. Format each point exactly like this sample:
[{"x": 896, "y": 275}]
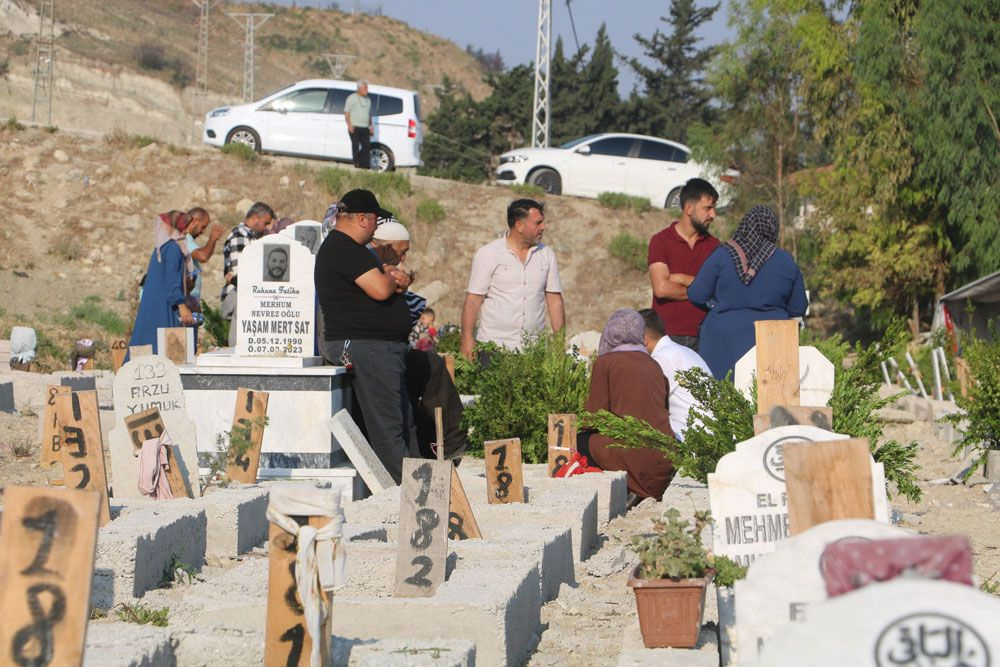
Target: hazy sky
[{"x": 509, "y": 25}]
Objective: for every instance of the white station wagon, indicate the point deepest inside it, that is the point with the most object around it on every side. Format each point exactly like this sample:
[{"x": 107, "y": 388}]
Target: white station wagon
[
  {"x": 307, "y": 118},
  {"x": 630, "y": 163}
]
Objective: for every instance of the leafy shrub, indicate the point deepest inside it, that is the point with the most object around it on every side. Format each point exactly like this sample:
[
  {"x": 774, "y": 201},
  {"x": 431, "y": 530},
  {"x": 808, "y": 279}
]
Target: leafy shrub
[
  {"x": 981, "y": 408},
  {"x": 466, "y": 373},
  {"x": 675, "y": 550},
  {"x": 621, "y": 200},
  {"x": 240, "y": 151},
  {"x": 518, "y": 390},
  {"x": 430, "y": 211},
  {"x": 528, "y": 190},
  {"x": 215, "y": 325},
  {"x": 154, "y": 57},
  {"x": 91, "y": 311},
  {"x": 337, "y": 181},
  {"x": 728, "y": 571},
  {"x": 629, "y": 249},
  {"x": 142, "y": 615}
]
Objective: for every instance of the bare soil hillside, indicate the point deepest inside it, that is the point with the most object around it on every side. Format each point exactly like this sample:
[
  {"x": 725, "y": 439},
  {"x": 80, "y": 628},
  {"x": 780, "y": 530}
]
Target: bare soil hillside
[{"x": 131, "y": 63}]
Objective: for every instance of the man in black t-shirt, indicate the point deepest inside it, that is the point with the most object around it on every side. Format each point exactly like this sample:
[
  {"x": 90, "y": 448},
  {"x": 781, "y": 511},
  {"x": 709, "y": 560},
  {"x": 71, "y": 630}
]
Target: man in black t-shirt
[{"x": 367, "y": 324}]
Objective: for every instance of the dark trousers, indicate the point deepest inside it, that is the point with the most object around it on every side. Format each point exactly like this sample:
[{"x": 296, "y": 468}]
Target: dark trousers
[
  {"x": 379, "y": 388},
  {"x": 361, "y": 147},
  {"x": 686, "y": 341}
]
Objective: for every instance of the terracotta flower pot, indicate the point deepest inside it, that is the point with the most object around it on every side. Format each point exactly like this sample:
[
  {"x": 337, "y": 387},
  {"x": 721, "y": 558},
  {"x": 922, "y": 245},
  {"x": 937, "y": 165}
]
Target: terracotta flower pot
[{"x": 670, "y": 612}]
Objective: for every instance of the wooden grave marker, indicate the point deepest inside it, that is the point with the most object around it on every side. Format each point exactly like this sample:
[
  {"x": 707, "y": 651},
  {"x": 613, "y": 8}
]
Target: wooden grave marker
[
  {"x": 251, "y": 411},
  {"x": 48, "y": 539},
  {"x": 286, "y": 641},
  {"x": 422, "y": 543},
  {"x": 50, "y": 426},
  {"x": 176, "y": 344},
  {"x": 826, "y": 481},
  {"x": 462, "y": 524},
  {"x": 136, "y": 351},
  {"x": 439, "y": 432},
  {"x": 777, "y": 364},
  {"x": 148, "y": 425},
  {"x": 562, "y": 441},
  {"x": 82, "y": 446},
  {"x": 790, "y": 415},
  {"x": 504, "y": 474},
  {"x": 119, "y": 348}
]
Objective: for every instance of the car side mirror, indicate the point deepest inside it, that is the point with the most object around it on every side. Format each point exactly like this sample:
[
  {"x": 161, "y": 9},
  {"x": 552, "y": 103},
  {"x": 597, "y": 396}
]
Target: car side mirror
[{"x": 583, "y": 150}]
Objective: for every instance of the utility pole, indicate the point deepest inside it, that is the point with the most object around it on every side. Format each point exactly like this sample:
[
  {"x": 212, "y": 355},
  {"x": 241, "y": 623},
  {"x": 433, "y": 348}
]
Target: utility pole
[
  {"x": 45, "y": 55},
  {"x": 201, "y": 68},
  {"x": 338, "y": 63},
  {"x": 250, "y": 22},
  {"x": 543, "y": 54}
]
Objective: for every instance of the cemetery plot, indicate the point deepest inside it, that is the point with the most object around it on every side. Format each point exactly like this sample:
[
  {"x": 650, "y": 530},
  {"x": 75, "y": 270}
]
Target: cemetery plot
[
  {"x": 82, "y": 447},
  {"x": 47, "y": 543},
  {"x": 815, "y": 374},
  {"x": 148, "y": 425},
  {"x": 249, "y": 421},
  {"x": 562, "y": 442},
  {"x": 51, "y": 444},
  {"x": 422, "y": 544},
  {"x": 504, "y": 476}
]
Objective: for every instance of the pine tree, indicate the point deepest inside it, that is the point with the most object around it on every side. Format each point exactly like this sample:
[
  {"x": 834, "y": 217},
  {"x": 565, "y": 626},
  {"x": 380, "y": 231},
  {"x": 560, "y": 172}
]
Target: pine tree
[{"x": 673, "y": 94}]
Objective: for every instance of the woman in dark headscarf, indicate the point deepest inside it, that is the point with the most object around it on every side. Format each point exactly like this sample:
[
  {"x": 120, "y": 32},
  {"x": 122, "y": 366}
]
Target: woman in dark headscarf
[
  {"x": 164, "y": 292},
  {"x": 744, "y": 280},
  {"x": 626, "y": 381}
]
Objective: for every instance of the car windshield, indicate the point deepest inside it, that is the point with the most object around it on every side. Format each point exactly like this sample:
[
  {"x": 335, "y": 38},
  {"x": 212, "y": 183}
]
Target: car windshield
[{"x": 577, "y": 142}]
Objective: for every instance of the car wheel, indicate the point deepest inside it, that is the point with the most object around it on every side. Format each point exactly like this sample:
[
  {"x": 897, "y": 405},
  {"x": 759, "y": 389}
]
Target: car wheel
[
  {"x": 673, "y": 199},
  {"x": 382, "y": 158},
  {"x": 245, "y": 136},
  {"x": 548, "y": 180}
]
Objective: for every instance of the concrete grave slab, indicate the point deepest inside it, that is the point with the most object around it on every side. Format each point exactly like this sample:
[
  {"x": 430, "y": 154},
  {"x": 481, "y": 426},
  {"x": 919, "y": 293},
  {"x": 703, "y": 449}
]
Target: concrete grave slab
[
  {"x": 119, "y": 644},
  {"x": 747, "y": 493},
  {"x": 635, "y": 654},
  {"x": 403, "y": 653},
  {"x": 816, "y": 374},
  {"x": 611, "y": 487},
  {"x": 236, "y": 520},
  {"x": 150, "y": 382},
  {"x": 781, "y": 587},
  {"x": 360, "y": 452},
  {"x": 900, "y": 622}
]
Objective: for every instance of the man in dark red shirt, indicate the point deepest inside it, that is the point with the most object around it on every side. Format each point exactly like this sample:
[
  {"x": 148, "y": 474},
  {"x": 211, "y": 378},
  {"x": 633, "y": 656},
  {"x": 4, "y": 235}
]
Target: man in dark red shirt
[{"x": 675, "y": 255}]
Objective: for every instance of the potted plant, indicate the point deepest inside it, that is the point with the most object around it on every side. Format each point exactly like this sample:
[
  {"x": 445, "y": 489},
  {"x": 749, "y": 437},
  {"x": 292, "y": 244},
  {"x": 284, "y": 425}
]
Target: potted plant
[{"x": 669, "y": 581}]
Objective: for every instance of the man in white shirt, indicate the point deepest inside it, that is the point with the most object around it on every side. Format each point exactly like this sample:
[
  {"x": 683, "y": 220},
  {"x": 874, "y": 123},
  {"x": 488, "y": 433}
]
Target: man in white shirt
[
  {"x": 513, "y": 281},
  {"x": 672, "y": 357}
]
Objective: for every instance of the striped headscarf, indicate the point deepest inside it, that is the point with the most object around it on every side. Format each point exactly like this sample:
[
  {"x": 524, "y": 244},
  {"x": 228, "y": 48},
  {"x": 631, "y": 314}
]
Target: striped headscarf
[{"x": 753, "y": 243}]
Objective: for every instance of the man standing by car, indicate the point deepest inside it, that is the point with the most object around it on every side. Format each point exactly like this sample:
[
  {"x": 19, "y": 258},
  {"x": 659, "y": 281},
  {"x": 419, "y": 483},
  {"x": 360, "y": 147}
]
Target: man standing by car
[
  {"x": 358, "y": 113},
  {"x": 675, "y": 255},
  {"x": 514, "y": 279},
  {"x": 367, "y": 326},
  {"x": 258, "y": 217}
]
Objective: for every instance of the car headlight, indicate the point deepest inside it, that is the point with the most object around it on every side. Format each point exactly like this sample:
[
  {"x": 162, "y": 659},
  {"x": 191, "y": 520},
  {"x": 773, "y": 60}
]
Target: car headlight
[
  {"x": 504, "y": 159},
  {"x": 219, "y": 112}
]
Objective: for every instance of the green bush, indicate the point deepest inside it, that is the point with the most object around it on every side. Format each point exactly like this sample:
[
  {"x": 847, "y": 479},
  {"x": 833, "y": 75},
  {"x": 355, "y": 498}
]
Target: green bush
[
  {"x": 622, "y": 200},
  {"x": 430, "y": 211},
  {"x": 13, "y": 124},
  {"x": 215, "y": 325},
  {"x": 122, "y": 140},
  {"x": 629, "y": 249},
  {"x": 518, "y": 391},
  {"x": 337, "y": 181},
  {"x": 981, "y": 408},
  {"x": 91, "y": 311},
  {"x": 528, "y": 190},
  {"x": 240, "y": 151},
  {"x": 142, "y": 615}
]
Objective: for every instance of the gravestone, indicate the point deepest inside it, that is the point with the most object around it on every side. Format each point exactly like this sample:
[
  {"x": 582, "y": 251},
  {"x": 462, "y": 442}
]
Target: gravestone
[
  {"x": 79, "y": 382},
  {"x": 779, "y": 587},
  {"x": 176, "y": 344},
  {"x": 306, "y": 232},
  {"x": 277, "y": 300},
  {"x": 748, "y": 498},
  {"x": 913, "y": 622},
  {"x": 815, "y": 375},
  {"x": 143, "y": 383},
  {"x": 361, "y": 454},
  {"x": 7, "y": 398}
]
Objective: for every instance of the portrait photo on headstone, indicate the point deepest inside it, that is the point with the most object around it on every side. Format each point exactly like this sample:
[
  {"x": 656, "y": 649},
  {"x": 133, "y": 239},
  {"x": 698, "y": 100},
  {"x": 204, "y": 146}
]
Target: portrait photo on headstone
[
  {"x": 276, "y": 263},
  {"x": 308, "y": 235}
]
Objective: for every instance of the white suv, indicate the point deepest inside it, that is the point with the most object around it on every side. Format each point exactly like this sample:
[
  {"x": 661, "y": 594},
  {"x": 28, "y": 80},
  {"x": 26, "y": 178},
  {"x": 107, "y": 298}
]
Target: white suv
[
  {"x": 307, "y": 118},
  {"x": 630, "y": 163}
]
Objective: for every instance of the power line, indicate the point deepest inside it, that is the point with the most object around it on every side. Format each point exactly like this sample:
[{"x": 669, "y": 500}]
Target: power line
[
  {"x": 250, "y": 22},
  {"x": 543, "y": 55},
  {"x": 44, "y": 57},
  {"x": 572, "y": 23}
]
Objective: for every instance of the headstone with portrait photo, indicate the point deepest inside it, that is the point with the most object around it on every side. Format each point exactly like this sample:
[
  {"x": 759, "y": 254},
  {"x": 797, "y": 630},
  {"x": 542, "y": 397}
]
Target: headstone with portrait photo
[
  {"x": 900, "y": 622},
  {"x": 277, "y": 299},
  {"x": 306, "y": 232}
]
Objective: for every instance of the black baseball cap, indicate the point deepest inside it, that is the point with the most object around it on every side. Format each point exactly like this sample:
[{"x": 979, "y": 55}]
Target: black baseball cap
[{"x": 362, "y": 201}]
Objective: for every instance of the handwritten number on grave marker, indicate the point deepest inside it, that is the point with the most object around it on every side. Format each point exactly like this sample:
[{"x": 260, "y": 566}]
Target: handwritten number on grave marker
[
  {"x": 419, "y": 577},
  {"x": 504, "y": 480},
  {"x": 296, "y": 635},
  {"x": 423, "y": 474},
  {"x": 501, "y": 451},
  {"x": 427, "y": 520},
  {"x": 456, "y": 527},
  {"x": 52, "y": 395},
  {"x": 77, "y": 412},
  {"x": 74, "y": 436},
  {"x": 291, "y": 599},
  {"x": 560, "y": 463},
  {"x": 46, "y": 525},
  {"x": 85, "y": 475},
  {"x": 32, "y": 645},
  {"x": 561, "y": 432}
]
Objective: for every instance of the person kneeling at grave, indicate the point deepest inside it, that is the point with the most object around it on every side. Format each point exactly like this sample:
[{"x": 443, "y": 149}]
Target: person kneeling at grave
[
  {"x": 627, "y": 382},
  {"x": 366, "y": 325}
]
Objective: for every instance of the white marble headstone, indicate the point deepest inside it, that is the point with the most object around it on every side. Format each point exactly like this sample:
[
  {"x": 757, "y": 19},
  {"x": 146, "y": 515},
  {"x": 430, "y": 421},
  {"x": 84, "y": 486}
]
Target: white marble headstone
[
  {"x": 361, "y": 454},
  {"x": 748, "y": 498},
  {"x": 306, "y": 232},
  {"x": 779, "y": 587},
  {"x": 815, "y": 375},
  {"x": 276, "y": 313},
  {"x": 141, "y": 384},
  {"x": 903, "y": 622}
]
